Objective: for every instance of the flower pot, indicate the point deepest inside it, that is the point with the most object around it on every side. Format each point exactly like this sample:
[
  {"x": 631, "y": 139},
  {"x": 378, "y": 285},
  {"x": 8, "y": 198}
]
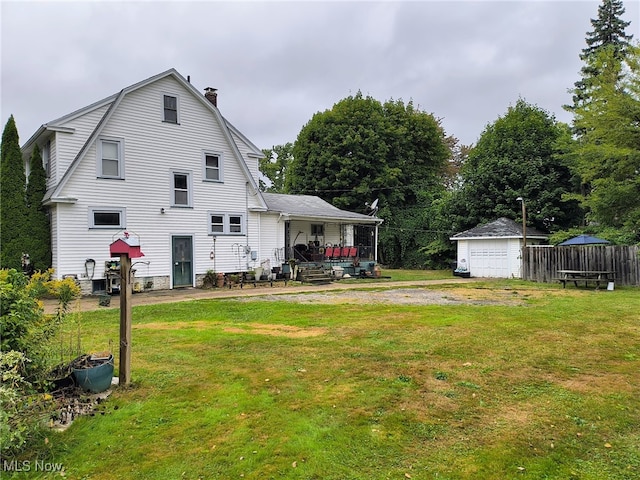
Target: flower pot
[
  {"x": 259, "y": 271},
  {"x": 93, "y": 374}
]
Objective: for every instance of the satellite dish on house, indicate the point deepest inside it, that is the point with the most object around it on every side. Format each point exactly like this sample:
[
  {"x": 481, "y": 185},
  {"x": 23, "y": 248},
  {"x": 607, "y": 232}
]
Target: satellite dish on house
[{"x": 373, "y": 207}]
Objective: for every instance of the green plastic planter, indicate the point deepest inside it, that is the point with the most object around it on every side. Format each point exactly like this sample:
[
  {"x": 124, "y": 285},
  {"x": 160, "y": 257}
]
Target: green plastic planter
[{"x": 97, "y": 378}]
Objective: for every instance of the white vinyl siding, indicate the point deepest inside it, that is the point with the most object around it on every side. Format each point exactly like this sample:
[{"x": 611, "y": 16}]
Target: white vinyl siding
[
  {"x": 250, "y": 154},
  {"x": 67, "y": 145},
  {"x": 154, "y": 150}
]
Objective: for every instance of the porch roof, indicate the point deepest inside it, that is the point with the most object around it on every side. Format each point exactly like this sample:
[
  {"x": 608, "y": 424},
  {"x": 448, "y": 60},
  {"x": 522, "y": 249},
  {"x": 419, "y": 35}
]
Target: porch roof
[{"x": 310, "y": 207}]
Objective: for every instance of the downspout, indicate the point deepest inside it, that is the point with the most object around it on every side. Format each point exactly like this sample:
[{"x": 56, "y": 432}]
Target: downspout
[{"x": 246, "y": 221}]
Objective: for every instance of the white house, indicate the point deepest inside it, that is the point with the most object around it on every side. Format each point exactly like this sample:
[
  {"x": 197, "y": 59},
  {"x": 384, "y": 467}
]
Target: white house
[
  {"x": 494, "y": 249},
  {"x": 159, "y": 160}
]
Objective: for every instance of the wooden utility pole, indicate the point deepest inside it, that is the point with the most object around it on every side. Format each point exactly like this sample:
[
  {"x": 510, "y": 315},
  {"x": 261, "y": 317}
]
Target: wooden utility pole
[
  {"x": 125, "y": 320},
  {"x": 126, "y": 247}
]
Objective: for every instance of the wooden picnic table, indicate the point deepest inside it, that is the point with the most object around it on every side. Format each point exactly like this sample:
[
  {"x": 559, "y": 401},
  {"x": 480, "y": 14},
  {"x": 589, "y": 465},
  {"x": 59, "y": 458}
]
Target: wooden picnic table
[{"x": 575, "y": 276}]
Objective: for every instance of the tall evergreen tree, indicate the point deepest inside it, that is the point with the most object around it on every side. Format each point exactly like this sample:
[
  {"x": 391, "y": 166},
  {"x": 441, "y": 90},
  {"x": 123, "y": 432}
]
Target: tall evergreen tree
[
  {"x": 608, "y": 30},
  {"x": 607, "y": 154},
  {"x": 38, "y": 241},
  {"x": 12, "y": 198}
]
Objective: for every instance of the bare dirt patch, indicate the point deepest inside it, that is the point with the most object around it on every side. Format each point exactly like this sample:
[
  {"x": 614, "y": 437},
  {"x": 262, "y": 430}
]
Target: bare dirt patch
[
  {"x": 592, "y": 384},
  {"x": 251, "y": 328},
  {"x": 277, "y": 330},
  {"x": 405, "y": 296},
  {"x": 199, "y": 325}
]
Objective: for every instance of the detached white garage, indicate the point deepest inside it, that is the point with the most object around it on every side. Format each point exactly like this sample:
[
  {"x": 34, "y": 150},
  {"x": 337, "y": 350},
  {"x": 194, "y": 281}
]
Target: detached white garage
[{"x": 493, "y": 249}]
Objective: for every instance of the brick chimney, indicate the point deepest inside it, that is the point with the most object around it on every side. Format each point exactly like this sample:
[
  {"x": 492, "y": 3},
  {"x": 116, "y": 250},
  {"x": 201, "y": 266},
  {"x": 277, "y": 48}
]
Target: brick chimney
[{"x": 211, "y": 95}]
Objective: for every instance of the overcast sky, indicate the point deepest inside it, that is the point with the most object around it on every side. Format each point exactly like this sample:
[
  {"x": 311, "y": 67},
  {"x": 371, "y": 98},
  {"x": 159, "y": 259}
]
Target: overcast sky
[{"x": 275, "y": 64}]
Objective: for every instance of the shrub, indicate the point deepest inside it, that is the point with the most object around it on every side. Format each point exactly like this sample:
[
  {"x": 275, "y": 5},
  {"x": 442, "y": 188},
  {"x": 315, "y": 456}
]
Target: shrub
[{"x": 25, "y": 332}]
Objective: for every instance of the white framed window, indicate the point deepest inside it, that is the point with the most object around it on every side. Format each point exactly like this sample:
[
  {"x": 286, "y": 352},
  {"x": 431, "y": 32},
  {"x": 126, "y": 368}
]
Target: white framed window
[
  {"x": 181, "y": 189},
  {"x": 236, "y": 224},
  {"x": 107, "y": 217},
  {"x": 170, "y": 108},
  {"x": 226, "y": 223},
  {"x": 46, "y": 158},
  {"x": 110, "y": 152},
  {"x": 216, "y": 223},
  {"x": 212, "y": 166}
]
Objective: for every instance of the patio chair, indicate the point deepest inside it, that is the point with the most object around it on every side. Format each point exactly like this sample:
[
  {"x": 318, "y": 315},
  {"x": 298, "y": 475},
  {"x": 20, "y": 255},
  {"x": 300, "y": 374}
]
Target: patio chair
[{"x": 328, "y": 253}]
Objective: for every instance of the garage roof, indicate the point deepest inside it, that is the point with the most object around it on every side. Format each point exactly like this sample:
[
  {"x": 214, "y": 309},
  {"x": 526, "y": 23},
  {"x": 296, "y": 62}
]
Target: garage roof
[{"x": 500, "y": 228}]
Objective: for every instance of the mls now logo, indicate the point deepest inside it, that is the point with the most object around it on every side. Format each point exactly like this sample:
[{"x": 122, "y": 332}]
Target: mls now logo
[{"x": 28, "y": 466}]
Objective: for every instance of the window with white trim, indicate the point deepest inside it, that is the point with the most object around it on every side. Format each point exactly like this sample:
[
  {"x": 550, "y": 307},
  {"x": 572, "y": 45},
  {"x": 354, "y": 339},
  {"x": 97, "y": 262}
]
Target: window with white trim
[
  {"x": 46, "y": 158},
  {"x": 181, "y": 189},
  {"x": 170, "y": 108},
  {"x": 216, "y": 223},
  {"x": 110, "y": 158},
  {"x": 235, "y": 224},
  {"x": 107, "y": 217},
  {"x": 226, "y": 224},
  {"x": 212, "y": 164}
]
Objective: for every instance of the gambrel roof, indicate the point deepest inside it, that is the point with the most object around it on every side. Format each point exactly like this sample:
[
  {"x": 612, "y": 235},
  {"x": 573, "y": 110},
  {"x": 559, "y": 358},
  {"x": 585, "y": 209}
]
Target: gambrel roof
[{"x": 113, "y": 101}]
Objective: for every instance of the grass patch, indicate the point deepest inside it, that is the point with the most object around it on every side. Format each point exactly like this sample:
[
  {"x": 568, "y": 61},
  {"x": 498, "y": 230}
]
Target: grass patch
[{"x": 227, "y": 389}]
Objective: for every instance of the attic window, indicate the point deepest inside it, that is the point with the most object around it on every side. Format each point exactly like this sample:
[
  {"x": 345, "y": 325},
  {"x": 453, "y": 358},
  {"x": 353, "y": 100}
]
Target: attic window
[
  {"x": 212, "y": 167},
  {"x": 170, "y": 109},
  {"x": 110, "y": 158}
]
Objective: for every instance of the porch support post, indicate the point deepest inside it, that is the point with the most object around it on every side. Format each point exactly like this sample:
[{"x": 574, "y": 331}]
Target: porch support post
[{"x": 375, "y": 255}]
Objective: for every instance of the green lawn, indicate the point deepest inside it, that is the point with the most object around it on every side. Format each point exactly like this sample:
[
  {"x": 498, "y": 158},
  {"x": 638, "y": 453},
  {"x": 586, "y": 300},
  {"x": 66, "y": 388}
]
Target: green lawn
[{"x": 544, "y": 386}]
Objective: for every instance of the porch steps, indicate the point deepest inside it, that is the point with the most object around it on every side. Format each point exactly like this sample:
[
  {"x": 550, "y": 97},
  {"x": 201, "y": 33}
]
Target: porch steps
[{"x": 315, "y": 275}]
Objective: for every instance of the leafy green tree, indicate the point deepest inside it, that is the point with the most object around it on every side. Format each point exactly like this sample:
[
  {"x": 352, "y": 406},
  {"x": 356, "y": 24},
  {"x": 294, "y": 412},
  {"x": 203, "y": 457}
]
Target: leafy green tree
[
  {"x": 12, "y": 198},
  {"x": 608, "y": 31},
  {"x": 607, "y": 154},
  {"x": 340, "y": 154},
  {"x": 516, "y": 156},
  {"x": 361, "y": 150},
  {"x": 38, "y": 242},
  {"x": 274, "y": 166}
]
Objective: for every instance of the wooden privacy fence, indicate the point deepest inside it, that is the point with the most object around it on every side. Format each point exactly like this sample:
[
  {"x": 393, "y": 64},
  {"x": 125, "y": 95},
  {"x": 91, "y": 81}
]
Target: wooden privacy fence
[{"x": 541, "y": 264}]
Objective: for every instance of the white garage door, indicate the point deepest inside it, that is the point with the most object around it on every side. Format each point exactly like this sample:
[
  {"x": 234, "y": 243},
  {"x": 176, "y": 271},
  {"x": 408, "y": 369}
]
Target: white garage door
[{"x": 489, "y": 259}]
